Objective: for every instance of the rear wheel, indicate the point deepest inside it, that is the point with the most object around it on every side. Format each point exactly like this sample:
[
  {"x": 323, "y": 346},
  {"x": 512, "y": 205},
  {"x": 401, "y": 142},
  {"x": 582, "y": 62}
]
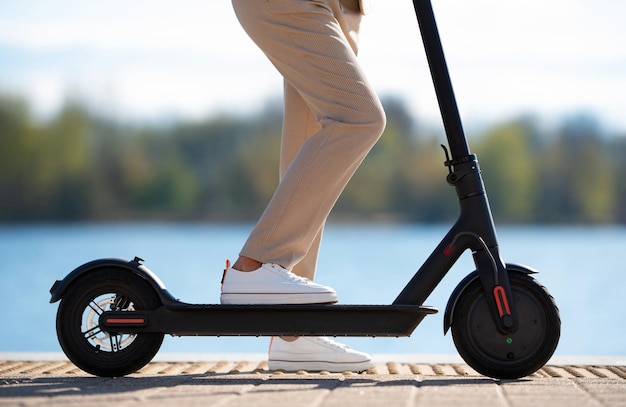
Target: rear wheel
[
  {"x": 88, "y": 346},
  {"x": 507, "y": 356}
]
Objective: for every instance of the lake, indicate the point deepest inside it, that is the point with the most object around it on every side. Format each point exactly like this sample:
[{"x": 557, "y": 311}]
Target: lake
[{"x": 366, "y": 264}]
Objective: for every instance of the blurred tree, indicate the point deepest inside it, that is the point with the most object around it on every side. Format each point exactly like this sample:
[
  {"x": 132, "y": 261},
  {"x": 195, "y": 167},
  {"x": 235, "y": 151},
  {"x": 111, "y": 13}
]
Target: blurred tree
[
  {"x": 18, "y": 143},
  {"x": 78, "y": 166},
  {"x": 421, "y": 191},
  {"x": 591, "y": 173},
  {"x": 63, "y": 163},
  {"x": 254, "y": 172},
  {"x": 578, "y": 181},
  {"x": 509, "y": 167},
  {"x": 617, "y": 154}
]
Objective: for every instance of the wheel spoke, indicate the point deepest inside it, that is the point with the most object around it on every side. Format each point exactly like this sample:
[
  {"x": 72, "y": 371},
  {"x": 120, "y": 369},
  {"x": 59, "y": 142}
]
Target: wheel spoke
[
  {"x": 93, "y": 332},
  {"x": 96, "y": 307}
]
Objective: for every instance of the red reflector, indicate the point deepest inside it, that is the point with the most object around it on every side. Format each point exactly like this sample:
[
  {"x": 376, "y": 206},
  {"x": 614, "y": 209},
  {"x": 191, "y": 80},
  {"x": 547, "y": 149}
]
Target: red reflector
[
  {"x": 501, "y": 301},
  {"x": 126, "y": 321},
  {"x": 449, "y": 250}
]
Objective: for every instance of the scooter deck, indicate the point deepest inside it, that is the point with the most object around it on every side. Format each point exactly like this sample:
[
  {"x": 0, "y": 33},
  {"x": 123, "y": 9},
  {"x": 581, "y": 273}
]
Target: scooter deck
[{"x": 182, "y": 319}]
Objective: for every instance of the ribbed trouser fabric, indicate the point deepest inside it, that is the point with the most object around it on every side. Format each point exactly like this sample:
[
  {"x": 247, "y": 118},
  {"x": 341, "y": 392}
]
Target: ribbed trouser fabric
[{"x": 332, "y": 118}]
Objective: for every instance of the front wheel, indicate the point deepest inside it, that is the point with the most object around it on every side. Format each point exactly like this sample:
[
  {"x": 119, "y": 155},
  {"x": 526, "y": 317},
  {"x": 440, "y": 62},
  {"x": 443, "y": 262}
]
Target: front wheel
[
  {"x": 507, "y": 356},
  {"x": 88, "y": 346}
]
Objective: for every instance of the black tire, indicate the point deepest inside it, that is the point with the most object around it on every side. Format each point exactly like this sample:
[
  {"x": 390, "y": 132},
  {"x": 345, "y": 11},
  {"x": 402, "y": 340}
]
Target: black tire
[
  {"x": 500, "y": 356},
  {"x": 92, "y": 349}
]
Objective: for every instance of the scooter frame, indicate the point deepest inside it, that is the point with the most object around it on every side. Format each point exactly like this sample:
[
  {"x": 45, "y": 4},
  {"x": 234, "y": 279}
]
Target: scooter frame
[{"x": 473, "y": 230}]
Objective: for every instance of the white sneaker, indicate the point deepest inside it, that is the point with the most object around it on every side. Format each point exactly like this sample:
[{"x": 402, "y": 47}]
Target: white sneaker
[
  {"x": 272, "y": 284},
  {"x": 314, "y": 353}
]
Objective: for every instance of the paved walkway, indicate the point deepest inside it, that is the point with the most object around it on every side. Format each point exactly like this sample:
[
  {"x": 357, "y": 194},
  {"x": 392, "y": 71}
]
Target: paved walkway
[{"x": 248, "y": 383}]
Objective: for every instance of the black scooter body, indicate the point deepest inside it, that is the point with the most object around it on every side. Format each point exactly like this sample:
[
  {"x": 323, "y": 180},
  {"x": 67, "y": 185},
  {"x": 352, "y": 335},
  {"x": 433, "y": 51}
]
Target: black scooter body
[
  {"x": 181, "y": 319},
  {"x": 487, "y": 329}
]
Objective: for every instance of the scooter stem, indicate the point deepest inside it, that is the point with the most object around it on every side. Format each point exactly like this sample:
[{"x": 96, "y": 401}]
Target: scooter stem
[
  {"x": 441, "y": 79},
  {"x": 474, "y": 229}
]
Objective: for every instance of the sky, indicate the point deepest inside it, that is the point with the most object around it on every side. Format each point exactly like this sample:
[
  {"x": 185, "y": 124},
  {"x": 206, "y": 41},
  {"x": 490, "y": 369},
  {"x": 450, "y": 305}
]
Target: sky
[{"x": 159, "y": 60}]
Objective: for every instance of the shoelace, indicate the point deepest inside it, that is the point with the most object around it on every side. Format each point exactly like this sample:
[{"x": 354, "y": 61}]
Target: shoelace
[{"x": 291, "y": 276}]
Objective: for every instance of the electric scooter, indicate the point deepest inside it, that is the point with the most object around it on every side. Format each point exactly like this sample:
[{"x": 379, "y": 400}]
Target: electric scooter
[{"x": 114, "y": 313}]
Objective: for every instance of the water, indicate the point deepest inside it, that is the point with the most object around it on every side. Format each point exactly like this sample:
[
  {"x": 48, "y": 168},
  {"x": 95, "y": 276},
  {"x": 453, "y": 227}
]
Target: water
[{"x": 367, "y": 264}]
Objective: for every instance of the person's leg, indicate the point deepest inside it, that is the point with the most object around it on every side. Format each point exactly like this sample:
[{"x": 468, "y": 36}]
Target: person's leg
[
  {"x": 300, "y": 122},
  {"x": 338, "y": 118},
  {"x": 306, "y": 43}
]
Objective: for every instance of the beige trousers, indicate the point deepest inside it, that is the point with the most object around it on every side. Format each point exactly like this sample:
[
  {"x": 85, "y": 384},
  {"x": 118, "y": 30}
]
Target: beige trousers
[{"x": 332, "y": 118}]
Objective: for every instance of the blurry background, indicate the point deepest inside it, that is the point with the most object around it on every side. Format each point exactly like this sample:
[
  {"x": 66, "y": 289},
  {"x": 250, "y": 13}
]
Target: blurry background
[{"x": 152, "y": 129}]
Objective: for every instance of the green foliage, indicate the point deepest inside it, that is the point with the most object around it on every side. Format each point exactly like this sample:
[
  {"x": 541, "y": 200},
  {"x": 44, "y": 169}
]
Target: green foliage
[
  {"x": 509, "y": 164},
  {"x": 82, "y": 167}
]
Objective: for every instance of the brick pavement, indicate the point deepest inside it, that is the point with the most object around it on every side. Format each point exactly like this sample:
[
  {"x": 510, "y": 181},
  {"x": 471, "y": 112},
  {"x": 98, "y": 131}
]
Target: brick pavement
[{"x": 243, "y": 383}]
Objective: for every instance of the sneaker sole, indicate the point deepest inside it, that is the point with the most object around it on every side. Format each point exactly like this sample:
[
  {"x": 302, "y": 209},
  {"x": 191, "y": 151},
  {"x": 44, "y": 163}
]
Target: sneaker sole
[
  {"x": 277, "y": 299},
  {"x": 320, "y": 366}
]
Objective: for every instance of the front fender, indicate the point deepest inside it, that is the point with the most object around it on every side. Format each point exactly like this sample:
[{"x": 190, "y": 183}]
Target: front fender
[
  {"x": 134, "y": 266},
  {"x": 462, "y": 286}
]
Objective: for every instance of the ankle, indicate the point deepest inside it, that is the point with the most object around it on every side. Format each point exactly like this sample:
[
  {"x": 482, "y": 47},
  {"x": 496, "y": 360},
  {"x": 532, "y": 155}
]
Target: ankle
[{"x": 246, "y": 264}]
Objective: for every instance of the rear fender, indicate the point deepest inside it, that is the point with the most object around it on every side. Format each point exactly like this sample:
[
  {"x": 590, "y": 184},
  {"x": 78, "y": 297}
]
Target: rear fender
[{"x": 134, "y": 266}]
